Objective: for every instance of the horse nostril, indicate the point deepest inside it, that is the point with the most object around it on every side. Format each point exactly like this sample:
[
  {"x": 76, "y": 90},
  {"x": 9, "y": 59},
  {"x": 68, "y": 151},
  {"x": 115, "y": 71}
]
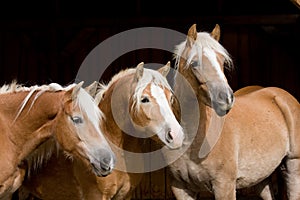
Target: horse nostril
[
  {"x": 223, "y": 96},
  {"x": 106, "y": 164},
  {"x": 169, "y": 137},
  {"x": 106, "y": 160}
]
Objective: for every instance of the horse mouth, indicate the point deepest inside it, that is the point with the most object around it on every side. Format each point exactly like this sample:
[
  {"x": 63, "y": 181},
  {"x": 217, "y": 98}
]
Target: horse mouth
[
  {"x": 102, "y": 171},
  {"x": 221, "y": 110}
]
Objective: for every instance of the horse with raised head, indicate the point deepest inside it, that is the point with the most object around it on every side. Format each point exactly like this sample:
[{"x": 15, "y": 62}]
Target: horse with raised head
[
  {"x": 238, "y": 141},
  {"x": 45, "y": 118},
  {"x": 137, "y": 105}
]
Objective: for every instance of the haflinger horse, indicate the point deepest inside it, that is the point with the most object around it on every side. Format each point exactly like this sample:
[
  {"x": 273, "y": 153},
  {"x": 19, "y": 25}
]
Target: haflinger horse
[
  {"x": 239, "y": 140},
  {"x": 137, "y": 105},
  {"x": 47, "y": 117}
]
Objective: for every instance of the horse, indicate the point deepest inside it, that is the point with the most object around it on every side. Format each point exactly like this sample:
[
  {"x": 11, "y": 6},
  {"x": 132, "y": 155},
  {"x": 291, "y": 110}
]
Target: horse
[
  {"x": 137, "y": 104},
  {"x": 239, "y": 139},
  {"x": 47, "y": 117}
]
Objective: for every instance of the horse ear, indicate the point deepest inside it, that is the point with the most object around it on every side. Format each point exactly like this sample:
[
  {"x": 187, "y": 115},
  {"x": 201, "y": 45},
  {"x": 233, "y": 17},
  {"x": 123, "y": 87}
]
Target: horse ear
[
  {"x": 165, "y": 69},
  {"x": 192, "y": 35},
  {"x": 76, "y": 90},
  {"x": 216, "y": 32},
  {"x": 92, "y": 89},
  {"x": 139, "y": 71},
  {"x": 98, "y": 98}
]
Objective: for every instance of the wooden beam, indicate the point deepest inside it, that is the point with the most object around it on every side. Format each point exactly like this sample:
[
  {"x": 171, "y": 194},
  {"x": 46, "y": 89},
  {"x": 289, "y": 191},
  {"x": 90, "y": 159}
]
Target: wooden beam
[{"x": 132, "y": 22}]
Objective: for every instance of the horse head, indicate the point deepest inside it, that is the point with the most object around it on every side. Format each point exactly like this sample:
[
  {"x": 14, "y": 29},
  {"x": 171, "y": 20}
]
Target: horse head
[
  {"x": 151, "y": 106},
  {"x": 201, "y": 59},
  {"x": 78, "y": 131}
]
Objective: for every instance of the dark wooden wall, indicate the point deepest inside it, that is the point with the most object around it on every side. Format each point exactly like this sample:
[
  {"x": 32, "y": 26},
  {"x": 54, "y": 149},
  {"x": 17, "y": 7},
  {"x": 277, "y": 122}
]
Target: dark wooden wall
[
  {"x": 46, "y": 41},
  {"x": 263, "y": 48}
]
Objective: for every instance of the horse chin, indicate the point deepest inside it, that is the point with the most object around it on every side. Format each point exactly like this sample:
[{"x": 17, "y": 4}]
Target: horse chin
[
  {"x": 221, "y": 110},
  {"x": 99, "y": 169},
  {"x": 171, "y": 147}
]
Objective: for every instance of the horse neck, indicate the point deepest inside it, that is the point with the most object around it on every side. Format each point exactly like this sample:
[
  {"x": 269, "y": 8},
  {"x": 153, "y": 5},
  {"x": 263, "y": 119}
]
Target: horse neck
[
  {"x": 204, "y": 123},
  {"x": 186, "y": 91},
  {"x": 186, "y": 75},
  {"x": 33, "y": 125},
  {"x": 194, "y": 120},
  {"x": 196, "y": 124},
  {"x": 110, "y": 127}
]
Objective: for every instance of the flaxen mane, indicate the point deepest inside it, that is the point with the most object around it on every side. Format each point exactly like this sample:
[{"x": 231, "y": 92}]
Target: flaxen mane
[
  {"x": 104, "y": 87},
  {"x": 204, "y": 40},
  {"x": 150, "y": 76}
]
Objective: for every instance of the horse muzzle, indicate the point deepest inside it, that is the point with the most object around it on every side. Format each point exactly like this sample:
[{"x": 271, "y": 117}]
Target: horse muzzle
[
  {"x": 223, "y": 103},
  {"x": 219, "y": 96},
  {"x": 105, "y": 165},
  {"x": 174, "y": 138}
]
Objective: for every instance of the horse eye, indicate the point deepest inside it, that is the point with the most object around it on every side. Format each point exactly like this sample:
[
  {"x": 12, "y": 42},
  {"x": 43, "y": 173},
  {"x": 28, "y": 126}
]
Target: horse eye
[
  {"x": 77, "y": 120},
  {"x": 194, "y": 63},
  {"x": 145, "y": 100},
  {"x": 172, "y": 99}
]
